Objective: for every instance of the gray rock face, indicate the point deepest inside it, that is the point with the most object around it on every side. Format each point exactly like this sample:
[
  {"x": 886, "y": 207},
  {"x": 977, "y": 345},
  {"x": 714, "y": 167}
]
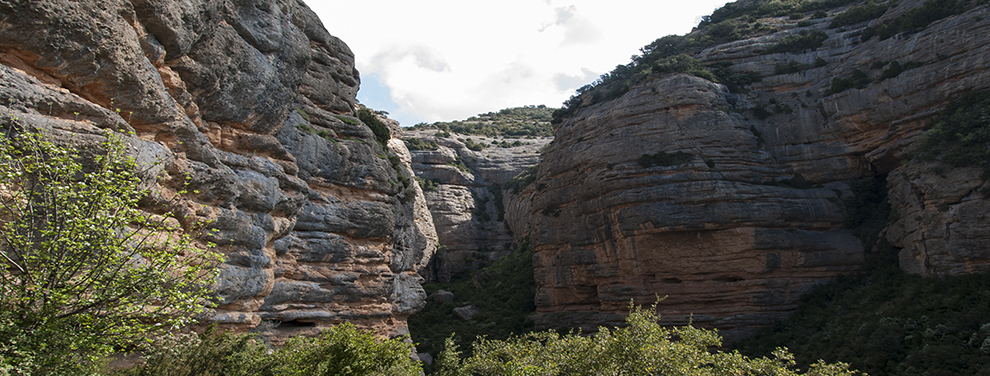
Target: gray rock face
[
  {"x": 252, "y": 104},
  {"x": 465, "y": 203},
  {"x": 728, "y": 232}
]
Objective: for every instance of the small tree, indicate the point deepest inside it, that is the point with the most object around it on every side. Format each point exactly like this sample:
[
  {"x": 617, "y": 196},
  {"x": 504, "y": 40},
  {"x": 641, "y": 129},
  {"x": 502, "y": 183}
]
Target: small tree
[{"x": 83, "y": 272}]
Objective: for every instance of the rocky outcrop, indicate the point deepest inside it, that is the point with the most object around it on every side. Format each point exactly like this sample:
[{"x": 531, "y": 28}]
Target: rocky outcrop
[
  {"x": 732, "y": 205},
  {"x": 465, "y": 198},
  {"x": 250, "y": 107}
]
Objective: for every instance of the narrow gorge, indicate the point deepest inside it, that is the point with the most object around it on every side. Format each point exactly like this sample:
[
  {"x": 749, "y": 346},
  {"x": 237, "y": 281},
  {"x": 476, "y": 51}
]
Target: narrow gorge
[{"x": 728, "y": 171}]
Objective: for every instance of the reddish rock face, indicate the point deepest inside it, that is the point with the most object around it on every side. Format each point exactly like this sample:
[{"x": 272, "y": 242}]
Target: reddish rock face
[
  {"x": 743, "y": 215},
  {"x": 252, "y": 103}
]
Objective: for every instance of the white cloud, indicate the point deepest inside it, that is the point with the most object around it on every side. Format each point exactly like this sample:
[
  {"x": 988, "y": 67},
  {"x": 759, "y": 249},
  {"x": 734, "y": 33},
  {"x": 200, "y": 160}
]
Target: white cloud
[{"x": 451, "y": 59}]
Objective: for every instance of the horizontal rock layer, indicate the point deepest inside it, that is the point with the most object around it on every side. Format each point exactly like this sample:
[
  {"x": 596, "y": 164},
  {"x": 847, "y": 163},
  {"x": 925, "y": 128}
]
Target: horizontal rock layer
[
  {"x": 250, "y": 107},
  {"x": 723, "y": 232},
  {"x": 464, "y": 205}
]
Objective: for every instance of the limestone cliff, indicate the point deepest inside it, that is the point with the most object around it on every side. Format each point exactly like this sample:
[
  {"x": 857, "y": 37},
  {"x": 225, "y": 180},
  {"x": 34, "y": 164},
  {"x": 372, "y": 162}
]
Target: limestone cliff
[
  {"x": 465, "y": 196},
  {"x": 249, "y": 105},
  {"x": 732, "y": 204}
]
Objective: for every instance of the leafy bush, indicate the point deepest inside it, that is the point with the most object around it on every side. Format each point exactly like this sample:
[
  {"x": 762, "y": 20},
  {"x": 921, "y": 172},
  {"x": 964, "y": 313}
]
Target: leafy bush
[
  {"x": 517, "y": 122},
  {"x": 798, "y": 43},
  {"x": 420, "y": 144},
  {"x": 961, "y": 134},
  {"x": 428, "y": 185},
  {"x": 643, "y": 348},
  {"x": 470, "y": 144},
  {"x": 340, "y": 350},
  {"x": 381, "y": 131},
  {"x": 83, "y": 271},
  {"x": 859, "y": 80},
  {"x": 859, "y": 14},
  {"x": 920, "y": 17},
  {"x": 791, "y": 67}
]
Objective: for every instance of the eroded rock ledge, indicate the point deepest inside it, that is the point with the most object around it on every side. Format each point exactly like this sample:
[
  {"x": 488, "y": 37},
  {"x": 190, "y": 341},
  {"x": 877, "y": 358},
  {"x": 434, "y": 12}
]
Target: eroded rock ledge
[{"x": 252, "y": 103}]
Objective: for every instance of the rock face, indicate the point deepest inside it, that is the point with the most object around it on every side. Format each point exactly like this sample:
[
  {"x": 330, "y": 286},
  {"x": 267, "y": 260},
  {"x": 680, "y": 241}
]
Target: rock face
[
  {"x": 249, "y": 105},
  {"x": 743, "y": 214},
  {"x": 466, "y": 203}
]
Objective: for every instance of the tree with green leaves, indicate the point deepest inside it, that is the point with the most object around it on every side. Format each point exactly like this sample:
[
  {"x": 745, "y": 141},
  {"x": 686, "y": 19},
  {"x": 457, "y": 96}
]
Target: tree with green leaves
[
  {"x": 83, "y": 271},
  {"x": 644, "y": 347}
]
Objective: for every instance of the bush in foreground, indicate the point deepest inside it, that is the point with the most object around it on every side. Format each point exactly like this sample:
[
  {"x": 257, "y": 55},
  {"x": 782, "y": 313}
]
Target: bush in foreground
[
  {"x": 642, "y": 348},
  {"x": 340, "y": 350}
]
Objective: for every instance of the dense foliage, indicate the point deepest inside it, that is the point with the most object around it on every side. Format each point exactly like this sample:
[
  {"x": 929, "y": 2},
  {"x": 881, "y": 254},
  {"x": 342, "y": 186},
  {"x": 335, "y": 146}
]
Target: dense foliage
[
  {"x": 890, "y": 323},
  {"x": 920, "y": 17},
  {"x": 673, "y": 53},
  {"x": 961, "y": 135},
  {"x": 340, "y": 350},
  {"x": 796, "y": 43},
  {"x": 527, "y": 121},
  {"x": 860, "y": 13},
  {"x": 642, "y": 348},
  {"x": 420, "y": 144},
  {"x": 504, "y": 293},
  {"x": 83, "y": 271},
  {"x": 370, "y": 118}
]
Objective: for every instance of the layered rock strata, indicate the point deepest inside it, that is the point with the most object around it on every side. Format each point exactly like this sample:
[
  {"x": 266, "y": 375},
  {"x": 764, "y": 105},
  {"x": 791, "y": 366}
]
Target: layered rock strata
[
  {"x": 466, "y": 199},
  {"x": 250, "y": 107},
  {"x": 745, "y": 211}
]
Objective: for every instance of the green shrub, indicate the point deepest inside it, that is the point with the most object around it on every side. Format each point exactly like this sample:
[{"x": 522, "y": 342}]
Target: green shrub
[
  {"x": 644, "y": 347},
  {"x": 348, "y": 120},
  {"x": 512, "y": 122},
  {"x": 791, "y": 67},
  {"x": 340, "y": 350},
  {"x": 428, "y": 185},
  {"x": 961, "y": 134},
  {"x": 805, "y": 23},
  {"x": 920, "y": 17},
  {"x": 798, "y": 43},
  {"x": 859, "y": 80},
  {"x": 470, "y": 144},
  {"x": 381, "y": 131},
  {"x": 859, "y": 14},
  {"x": 420, "y": 144},
  {"x": 343, "y": 350}
]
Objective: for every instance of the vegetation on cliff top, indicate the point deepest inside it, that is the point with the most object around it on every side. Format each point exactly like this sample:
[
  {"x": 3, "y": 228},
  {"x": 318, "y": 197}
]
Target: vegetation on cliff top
[
  {"x": 745, "y": 19},
  {"x": 527, "y": 121}
]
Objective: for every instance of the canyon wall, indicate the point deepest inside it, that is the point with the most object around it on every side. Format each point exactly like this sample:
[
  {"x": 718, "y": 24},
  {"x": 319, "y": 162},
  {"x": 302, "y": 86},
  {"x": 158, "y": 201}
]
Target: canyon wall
[
  {"x": 465, "y": 196},
  {"x": 732, "y": 205},
  {"x": 249, "y": 106}
]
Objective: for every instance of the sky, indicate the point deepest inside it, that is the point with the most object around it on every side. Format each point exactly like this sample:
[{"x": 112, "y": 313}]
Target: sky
[{"x": 443, "y": 60}]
